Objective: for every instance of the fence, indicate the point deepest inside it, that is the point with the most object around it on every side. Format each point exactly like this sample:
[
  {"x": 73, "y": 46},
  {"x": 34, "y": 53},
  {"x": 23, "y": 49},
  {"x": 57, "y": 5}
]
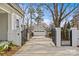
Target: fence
[
  {"x": 54, "y": 36},
  {"x": 24, "y": 36},
  {"x": 74, "y": 36}
]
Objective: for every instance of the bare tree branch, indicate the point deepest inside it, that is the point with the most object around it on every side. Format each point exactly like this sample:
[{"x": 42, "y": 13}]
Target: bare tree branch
[
  {"x": 52, "y": 12},
  {"x": 56, "y": 10},
  {"x": 62, "y": 5},
  {"x": 65, "y": 8},
  {"x": 68, "y": 13},
  {"x": 63, "y": 12}
]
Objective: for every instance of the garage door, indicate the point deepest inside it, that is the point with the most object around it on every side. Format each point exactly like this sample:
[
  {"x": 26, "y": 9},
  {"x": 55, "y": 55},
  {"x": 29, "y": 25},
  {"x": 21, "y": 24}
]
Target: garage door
[{"x": 39, "y": 33}]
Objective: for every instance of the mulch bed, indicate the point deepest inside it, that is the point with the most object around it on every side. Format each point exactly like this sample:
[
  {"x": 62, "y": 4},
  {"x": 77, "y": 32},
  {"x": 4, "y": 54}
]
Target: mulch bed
[{"x": 12, "y": 51}]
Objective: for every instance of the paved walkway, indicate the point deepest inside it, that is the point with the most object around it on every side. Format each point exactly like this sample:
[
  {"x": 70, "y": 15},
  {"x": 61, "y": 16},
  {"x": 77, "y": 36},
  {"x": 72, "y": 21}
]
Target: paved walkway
[{"x": 41, "y": 46}]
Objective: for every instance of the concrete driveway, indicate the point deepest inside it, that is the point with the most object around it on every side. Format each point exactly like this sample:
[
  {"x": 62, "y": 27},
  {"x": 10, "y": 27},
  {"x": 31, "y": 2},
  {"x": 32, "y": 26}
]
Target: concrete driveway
[{"x": 42, "y": 46}]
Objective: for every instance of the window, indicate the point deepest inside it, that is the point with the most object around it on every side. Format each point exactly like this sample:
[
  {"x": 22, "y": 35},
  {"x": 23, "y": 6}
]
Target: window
[{"x": 39, "y": 31}]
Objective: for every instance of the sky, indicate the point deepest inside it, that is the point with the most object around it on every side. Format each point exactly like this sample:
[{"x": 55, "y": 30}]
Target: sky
[{"x": 47, "y": 15}]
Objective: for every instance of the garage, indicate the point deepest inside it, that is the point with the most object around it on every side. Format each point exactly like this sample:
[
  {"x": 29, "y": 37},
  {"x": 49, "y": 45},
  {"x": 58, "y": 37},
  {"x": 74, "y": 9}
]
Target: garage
[{"x": 39, "y": 30}]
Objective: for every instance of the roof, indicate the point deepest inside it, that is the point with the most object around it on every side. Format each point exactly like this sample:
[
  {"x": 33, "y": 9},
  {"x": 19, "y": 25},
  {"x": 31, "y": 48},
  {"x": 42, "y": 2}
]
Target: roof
[{"x": 16, "y": 7}]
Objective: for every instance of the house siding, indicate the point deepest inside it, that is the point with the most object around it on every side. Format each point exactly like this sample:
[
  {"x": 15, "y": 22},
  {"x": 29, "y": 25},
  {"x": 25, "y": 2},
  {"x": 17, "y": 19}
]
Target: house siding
[{"x": 3, "y": 26}]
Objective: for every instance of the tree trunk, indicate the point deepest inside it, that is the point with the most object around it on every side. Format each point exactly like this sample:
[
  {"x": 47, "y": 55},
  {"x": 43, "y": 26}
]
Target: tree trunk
[{"x": 30, "y": 20}]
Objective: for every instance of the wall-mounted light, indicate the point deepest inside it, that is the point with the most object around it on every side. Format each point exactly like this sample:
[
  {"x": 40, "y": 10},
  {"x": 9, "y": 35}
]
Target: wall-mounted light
[{"x": 17, "y": 23}]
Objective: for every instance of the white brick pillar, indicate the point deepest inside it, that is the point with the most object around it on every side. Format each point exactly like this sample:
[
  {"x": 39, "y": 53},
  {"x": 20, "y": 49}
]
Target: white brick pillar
[
  {"x": 58, "y": 37},
  {"x": 74, "y": 37}
]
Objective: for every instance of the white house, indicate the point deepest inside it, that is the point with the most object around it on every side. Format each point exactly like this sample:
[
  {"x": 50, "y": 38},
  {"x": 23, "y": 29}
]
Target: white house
[
  {"x": 39, "y": 30},
  {"x": 11, "y": 17}
]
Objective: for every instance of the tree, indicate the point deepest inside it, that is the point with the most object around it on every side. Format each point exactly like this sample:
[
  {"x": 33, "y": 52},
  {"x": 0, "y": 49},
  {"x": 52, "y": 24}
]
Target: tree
[
  {"x": 24, "y": 8},
  {"x": 39, "y": 16},
  {"x": 74, "y": 21},
  {"x": 31, "y": 11},
  {"x": 60, "y": 11},
  {"x": 68, "y": 25}
]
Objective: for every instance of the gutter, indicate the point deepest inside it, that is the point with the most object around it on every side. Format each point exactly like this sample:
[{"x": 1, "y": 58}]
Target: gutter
[{"x": 16, "y": 9}]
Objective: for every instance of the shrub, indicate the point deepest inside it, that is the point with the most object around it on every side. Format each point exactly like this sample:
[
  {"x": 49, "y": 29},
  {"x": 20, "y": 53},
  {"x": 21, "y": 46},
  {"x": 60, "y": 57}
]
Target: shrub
[{"x": 5, "y": 46}]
